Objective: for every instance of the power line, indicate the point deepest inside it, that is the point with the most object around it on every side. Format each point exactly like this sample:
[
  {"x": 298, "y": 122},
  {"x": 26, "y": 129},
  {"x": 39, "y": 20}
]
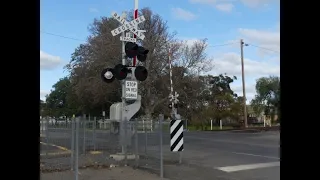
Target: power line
[
  {"x": 217, "y": 45},
  {"x": 264, "y": 48},
  {"x": 57, "y": 35},
  {"x": 66, "y": 37}
]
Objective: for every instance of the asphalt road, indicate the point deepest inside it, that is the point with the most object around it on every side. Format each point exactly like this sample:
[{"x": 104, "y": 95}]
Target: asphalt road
[
  {"x": 229, "y": 155},
  {"x": 238, "y": 155},
  {"x": 225, "y": 155}
]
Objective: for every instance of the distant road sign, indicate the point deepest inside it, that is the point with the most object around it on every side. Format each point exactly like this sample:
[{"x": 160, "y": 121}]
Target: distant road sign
[
  {"x": 131, "y": 91},
  {"x": 131, "y": 26}
]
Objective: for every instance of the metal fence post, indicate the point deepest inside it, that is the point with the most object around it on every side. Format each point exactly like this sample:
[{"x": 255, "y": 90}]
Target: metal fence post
[
  {"x": 143, "y": 127},
  {"x": 41, "y": 126},
  {"x": 146, "y": 142},
  {"x": 47, "y": 132},
  {"x": 76, "y": 150},
  {"x": 84, "y": 134},
  {"x": 66, "y": 121},
  {"x": 94, "y": 133},
  {"x": 186, "y": 124},
  {"x": 72, "y": 142},
  {"x": 111, "y": 128},
  {"x": 125, "y": 141},
  {"x": 136, "y": 142},
  {"x": 160, "y": 144}
]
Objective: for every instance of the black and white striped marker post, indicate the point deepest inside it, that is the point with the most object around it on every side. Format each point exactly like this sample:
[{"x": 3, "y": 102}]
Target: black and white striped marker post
[{"x": 176, "y": 135}]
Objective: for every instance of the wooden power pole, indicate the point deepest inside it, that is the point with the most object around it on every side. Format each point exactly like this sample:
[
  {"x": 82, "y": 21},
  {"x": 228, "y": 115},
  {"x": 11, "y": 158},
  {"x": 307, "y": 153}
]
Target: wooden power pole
[{"x": 243, "y": 86}]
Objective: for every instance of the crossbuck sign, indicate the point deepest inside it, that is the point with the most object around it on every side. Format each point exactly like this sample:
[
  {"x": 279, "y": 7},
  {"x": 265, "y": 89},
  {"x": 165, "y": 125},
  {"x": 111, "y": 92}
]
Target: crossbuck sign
[{"x": 131, "y": 26}]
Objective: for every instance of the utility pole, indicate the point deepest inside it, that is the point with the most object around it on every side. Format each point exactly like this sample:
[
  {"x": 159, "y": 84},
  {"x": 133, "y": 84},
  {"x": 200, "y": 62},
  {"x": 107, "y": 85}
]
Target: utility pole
[{"x": 243, "y": 86}]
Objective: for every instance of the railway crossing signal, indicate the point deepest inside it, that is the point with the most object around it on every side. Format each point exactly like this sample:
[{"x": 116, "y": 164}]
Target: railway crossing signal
[{"x": 138, "y": 73}]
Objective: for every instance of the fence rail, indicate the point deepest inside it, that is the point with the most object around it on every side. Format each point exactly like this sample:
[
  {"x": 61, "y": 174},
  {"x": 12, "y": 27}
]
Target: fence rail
[{"x": 80, "y": 142}]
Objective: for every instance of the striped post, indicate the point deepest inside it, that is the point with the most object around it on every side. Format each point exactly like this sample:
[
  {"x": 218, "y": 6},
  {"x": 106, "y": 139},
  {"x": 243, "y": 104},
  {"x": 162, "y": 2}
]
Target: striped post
[
  {"x": 171, "y": 83},
  {"x": 176, "y": 135},
  {"x": 135, "y": 15}
]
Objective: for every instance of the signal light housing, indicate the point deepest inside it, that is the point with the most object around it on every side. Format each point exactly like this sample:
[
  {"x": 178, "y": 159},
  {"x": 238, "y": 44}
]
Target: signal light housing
[
  {"x": 142, "y": 54},
  {"x": 107, "y": 75},
  {"x": 131, "y": 49},
  {"x": 120, "y": 72},
  {"x": 174, "y": 105},
  {"x": 140, "y": 73}
]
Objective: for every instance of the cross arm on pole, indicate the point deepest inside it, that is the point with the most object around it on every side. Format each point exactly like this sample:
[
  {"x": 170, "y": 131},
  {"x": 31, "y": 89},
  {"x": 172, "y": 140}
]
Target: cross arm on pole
[{"x": 128, "y": 25}]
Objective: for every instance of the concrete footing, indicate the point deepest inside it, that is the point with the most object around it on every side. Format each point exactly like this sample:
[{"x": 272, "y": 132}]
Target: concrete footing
[{"x": 121, "y": 156}]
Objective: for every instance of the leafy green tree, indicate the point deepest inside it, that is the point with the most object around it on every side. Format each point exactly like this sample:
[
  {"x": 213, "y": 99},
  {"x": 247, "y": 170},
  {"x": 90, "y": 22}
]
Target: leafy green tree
[
  {"x": 268, "y": 96},
  {"x": 222, "y": 96},
  {"x": 42, "y": 106},
  {"x": 216, "y": 101},
  {"x": 60, "y": 101}
]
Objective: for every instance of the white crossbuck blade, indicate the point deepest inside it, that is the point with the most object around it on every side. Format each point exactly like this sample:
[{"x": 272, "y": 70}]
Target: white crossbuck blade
[
  {"x": 174, "y": 97},
  {"x": 128, "y": 25},
  {"x": 171, "y": 97}
]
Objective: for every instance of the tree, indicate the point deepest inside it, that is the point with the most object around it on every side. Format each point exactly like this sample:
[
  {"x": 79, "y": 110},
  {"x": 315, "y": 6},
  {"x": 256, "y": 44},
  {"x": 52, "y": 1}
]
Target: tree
[
  {"x": 222, "y": 96},
  {"x": 268, "y": 95},
  {"x": 42, "y": 107},
  {"x": 215, "y": 100},
  {"x": 60, "y": 102},
  {"x": 103, "y": 50}
]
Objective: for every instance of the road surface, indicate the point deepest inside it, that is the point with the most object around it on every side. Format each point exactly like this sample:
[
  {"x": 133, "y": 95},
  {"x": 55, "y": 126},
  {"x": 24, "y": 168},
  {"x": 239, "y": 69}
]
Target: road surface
[
  {"x": 237, "y": 155},
  {"x": 210, "y": 155}
]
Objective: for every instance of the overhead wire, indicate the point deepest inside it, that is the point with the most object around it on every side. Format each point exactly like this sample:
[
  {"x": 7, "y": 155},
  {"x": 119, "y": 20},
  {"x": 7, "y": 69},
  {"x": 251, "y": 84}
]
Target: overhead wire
[
  {"x": 263, "y": 48},
  {"x": 61, "y": 36},
  {"x": 209, "y": 46},
  {"x": 217, "y": 45}
]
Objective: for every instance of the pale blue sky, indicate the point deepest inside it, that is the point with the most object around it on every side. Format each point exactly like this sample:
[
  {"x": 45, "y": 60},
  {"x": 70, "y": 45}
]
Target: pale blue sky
[{"x": 221, "y": 21}]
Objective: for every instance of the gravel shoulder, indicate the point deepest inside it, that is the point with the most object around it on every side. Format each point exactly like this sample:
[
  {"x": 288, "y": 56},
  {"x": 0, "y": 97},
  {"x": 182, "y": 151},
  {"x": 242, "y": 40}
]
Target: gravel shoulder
[{"x": 116, "y": 173}]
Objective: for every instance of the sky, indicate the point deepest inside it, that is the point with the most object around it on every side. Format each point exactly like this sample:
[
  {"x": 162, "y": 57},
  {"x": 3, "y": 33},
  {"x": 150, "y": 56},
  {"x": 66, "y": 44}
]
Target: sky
[{"x": 64, "y": 26}]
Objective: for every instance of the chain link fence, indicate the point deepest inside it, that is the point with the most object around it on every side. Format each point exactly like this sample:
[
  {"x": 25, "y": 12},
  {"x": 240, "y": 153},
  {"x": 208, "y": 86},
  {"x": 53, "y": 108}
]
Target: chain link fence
[{"x": 76, "y": 143}]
